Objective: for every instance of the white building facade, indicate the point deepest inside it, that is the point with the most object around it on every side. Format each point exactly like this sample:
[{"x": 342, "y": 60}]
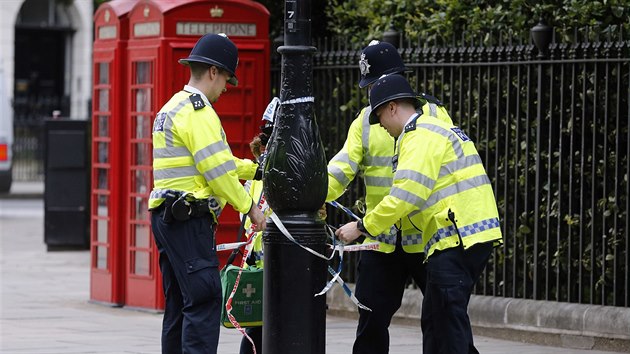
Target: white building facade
[{"x": 46, "y": 51}]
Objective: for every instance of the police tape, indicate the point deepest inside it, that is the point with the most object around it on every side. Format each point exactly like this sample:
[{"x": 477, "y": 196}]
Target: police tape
[
  {"x": 230, "y": 246},
  {"x": 299, "y": 100},
  {"x": 345, "y": 209},
  {"x": 336, "y": 275},
  {"x": 286, "y": 234},
  {"x": 372, "y": 246},
  {"x": 348, "y": 292}
]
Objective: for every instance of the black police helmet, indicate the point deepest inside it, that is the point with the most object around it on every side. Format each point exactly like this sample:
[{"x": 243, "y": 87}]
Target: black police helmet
[
  {"x": 218, "y": 50},
  {"x": 378, "y": 59},
  {"x": 389, "y": 88}
]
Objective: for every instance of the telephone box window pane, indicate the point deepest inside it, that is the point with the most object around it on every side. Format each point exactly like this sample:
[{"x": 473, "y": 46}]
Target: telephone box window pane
[
  {"x": 143, "y": 127},
  {"x": 141, "y": 263},
  {"x": 103, "y": 73},
  {"x": 142, "y": 236},
  {"x": 102, "y": 178},
  {"x": 102, "y": 206},
  {"x": 143, "y": 155},
  {"x": 141, "y": 181},
  {"x": 103, "y": 152},
  {"x": 141, "y": 212},
  {"x": 143, "y": 72},
  {"x": 143, "y": 100},
  {"x": 103, "y": 100},
  {"x": 101, "y": 257},
  {"x": 141, "y": 258},
  {"x": 103, "y": 125}
]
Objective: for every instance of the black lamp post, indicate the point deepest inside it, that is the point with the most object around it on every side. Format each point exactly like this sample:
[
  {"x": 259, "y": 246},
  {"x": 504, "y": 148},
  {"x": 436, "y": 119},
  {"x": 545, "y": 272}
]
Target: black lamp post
[{"x": 295, "y": 184}]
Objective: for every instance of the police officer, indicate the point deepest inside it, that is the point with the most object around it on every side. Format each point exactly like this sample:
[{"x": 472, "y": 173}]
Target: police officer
[
  {"x": 383, "y": 274},
  {"x": 195, "y": 174},
  {"x": 441, "y": 185}
]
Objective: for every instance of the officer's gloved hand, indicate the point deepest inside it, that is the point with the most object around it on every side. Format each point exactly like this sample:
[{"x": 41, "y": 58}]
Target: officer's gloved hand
[{"x": 259, "y": 174}]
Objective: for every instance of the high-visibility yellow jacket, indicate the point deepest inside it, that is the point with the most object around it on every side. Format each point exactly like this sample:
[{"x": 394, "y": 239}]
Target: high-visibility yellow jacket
[
  {"x": 370, "y": 148},
  {"x": 191, "y": 154},
  {"x": 439, "y": 170}
]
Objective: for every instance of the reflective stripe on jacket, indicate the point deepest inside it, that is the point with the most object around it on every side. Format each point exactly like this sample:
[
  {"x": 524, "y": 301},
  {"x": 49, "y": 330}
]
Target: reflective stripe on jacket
[
  {"x": 191, "y": 154},
  {"x": 439, "y": 170},
  {"x": 370, "y": 148}
]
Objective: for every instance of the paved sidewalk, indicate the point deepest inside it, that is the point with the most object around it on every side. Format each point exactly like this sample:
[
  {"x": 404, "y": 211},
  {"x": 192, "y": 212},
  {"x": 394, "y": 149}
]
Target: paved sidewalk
[{"x": 45, "y": 309}]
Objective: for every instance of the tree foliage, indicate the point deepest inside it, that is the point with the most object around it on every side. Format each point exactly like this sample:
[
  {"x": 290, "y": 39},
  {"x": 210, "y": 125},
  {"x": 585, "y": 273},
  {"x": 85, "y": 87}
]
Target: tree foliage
[{"x": 444, "y": 20}]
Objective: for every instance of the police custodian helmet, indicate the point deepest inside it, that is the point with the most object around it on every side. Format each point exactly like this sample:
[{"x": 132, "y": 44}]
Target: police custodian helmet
[
  {"x": 215, "y": 49},
  {"x": 389, "y": 88},
  {"x": 378, "y": 59}
]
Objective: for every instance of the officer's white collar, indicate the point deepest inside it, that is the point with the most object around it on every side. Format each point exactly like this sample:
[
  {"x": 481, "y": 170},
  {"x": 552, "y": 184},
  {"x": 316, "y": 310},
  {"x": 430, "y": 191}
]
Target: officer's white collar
[{"x": 197, "y": 91}]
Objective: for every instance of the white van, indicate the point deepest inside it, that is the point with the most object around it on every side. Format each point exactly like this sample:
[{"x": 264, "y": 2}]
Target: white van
[{"x": 6, "y": 136}]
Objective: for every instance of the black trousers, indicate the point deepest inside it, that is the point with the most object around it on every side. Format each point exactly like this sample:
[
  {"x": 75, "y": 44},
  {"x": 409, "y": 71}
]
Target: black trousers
[
  {"x": 192, "y": 287},
  {"x": 255, "y": 333},
  {"x": 451, "y": 276},
  {"x": 380, "y": 285}
]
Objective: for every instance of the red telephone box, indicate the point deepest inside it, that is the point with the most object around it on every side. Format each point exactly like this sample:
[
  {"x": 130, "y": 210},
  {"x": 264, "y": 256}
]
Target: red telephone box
[
  {"x": 161, "y": 32},
  {"x": 109, "y": 77}
]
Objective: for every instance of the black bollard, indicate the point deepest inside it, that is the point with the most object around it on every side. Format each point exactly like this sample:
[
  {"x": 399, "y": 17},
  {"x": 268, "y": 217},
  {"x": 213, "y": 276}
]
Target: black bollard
[{"x": 295, "y": 185}]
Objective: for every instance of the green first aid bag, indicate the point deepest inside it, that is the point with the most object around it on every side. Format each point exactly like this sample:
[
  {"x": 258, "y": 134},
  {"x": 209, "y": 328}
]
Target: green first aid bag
[{"x": 247, "y": 300}]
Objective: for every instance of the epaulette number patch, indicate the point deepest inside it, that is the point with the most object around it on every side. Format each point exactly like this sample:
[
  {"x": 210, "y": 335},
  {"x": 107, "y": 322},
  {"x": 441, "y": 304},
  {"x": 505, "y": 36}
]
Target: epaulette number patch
[
  {"x": 460, "y": 134},
  {"x": 158, "y": 124},
  {"x": 394, "y": 163},
  {"x": 197, "y": 101}
]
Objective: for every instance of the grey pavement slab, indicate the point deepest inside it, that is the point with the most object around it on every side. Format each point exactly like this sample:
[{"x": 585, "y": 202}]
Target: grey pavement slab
[{"x": 45, "y": 308}]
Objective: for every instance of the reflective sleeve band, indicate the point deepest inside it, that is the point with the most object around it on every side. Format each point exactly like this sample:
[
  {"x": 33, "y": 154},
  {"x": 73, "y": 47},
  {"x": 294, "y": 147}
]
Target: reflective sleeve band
[
  {"x": 175, "y": 172},
  {"x": 344, "y": 158},
  {"x": 416, "y": 177},
  {"x": 459, "y": 164},
  {"x": 210, "y": 150},
  {"x": 375, "y": 181},
  {"x": 378, "y": 161},
  {"x": 339, "y": 175},
  {"x": 456, "y": 188},
  {"x": 407, "y": 197},
  {"x": 220, "y": 170},
  {"x": 171, "y": 151}
]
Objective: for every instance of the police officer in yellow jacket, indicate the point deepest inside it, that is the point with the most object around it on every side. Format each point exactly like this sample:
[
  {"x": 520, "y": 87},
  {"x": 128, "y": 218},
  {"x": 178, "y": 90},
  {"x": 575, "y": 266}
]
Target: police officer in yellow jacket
[
  {"x": 383, "y": 274},
  {"x": 441, "y": 186},
  {"x": 194, "y": 175}
]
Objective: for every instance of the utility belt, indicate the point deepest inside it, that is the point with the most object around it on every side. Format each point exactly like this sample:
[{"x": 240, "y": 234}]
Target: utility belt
[{"x": 178, "y": 206}]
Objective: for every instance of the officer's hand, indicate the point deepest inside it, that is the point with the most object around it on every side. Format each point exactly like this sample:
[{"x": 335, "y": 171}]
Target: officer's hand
[
  {"x": 348, "y": 232},
  {"x": 257, "y": 218}
]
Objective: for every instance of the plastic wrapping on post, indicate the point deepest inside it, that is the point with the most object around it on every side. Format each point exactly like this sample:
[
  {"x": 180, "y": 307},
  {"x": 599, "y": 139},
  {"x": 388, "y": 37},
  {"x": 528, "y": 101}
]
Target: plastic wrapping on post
[{"x": 296, "y": 178}]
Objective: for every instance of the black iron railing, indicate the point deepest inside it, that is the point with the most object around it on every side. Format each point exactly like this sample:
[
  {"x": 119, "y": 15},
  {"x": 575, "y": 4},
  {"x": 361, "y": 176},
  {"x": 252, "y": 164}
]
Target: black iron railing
[
  {"x": 28, "y": 143},
  {"x": 551, "y": 125}
]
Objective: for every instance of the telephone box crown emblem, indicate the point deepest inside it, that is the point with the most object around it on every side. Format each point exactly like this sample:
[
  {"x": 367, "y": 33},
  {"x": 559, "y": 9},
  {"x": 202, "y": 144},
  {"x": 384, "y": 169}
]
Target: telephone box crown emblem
[{"x": 216, "y": 11}]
